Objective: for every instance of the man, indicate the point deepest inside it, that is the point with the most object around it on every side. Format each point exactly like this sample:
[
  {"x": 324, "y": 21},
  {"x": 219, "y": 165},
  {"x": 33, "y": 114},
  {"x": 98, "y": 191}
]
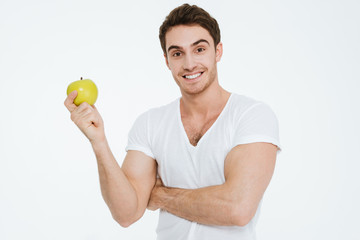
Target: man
[{"x": 213, "y": 151}]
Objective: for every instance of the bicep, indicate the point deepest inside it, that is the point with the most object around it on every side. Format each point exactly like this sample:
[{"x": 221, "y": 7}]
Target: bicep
[
  {"x": 248, "y": 171},
  {"x": 140, "y": 170}
]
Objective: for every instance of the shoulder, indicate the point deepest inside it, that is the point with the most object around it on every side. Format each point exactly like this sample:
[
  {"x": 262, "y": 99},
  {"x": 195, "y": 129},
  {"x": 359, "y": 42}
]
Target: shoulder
[
  {"x": 254, "y": 121},
  {"x": 248, "y": 112},
  {"x": 242, "y": 105},
  {"x": 243, "y": 100},
  {"x": 162, "y": 111}
]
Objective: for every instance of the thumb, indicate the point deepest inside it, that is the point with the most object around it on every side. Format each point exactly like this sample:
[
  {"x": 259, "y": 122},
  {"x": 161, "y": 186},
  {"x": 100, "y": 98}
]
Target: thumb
[
  {"x": 69, "y": 101},
  {"x": 73, "y": 95}
]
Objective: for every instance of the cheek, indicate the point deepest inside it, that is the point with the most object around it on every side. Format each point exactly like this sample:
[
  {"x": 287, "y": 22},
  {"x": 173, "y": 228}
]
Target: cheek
[
  {"x": 210, "y": 63},
  {"x": 174, "y": 71},
  {"x": 174, "y": 68},
  {"x": 209, "y": 59}
]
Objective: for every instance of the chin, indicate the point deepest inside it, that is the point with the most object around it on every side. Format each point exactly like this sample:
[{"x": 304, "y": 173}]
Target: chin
[
  {"x": 197, "y": 89},
  {"x": 193, "y": 91}
]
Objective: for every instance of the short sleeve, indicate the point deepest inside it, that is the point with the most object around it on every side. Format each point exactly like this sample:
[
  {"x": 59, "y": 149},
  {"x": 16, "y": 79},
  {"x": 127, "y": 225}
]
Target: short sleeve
[
  {"x": 138, "y": 138},
  {"x": 257, "y": 124}
]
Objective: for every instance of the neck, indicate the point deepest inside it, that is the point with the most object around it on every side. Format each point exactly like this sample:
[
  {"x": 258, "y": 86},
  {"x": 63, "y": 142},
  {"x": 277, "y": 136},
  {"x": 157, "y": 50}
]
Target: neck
[{"x": 209, "y": 102}]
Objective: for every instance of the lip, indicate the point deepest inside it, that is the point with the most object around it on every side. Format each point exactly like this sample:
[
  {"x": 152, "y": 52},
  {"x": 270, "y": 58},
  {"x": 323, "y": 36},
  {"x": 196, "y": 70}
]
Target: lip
[{"x": 193, "y": 79}]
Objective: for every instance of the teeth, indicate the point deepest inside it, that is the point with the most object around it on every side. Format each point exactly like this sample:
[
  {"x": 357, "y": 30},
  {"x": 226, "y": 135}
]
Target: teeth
[{"x": 192, "y": 76}]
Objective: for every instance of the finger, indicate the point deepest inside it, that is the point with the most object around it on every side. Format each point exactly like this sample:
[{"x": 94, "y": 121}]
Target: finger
[
  {"x": 82, "y": 110},
  {"x": 95, "y": 109},
  {"x": 98, "y": 119},
  {"x": 159, "y": 182},
  {"x": 84, "y": 119},
  {"x": 79, "y": 111},
  {"x": 85, "y": 111},
  {"x": 84, "y": 106},
  {"x": 69, "y": 101}
]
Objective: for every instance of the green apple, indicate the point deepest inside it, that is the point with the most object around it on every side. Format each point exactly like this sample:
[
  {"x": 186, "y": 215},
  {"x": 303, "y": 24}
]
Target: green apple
[{"x": 86, "y": 89}]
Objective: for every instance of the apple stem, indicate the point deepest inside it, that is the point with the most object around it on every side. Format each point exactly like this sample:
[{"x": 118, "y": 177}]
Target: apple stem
[{"x": 80, "y": 78}]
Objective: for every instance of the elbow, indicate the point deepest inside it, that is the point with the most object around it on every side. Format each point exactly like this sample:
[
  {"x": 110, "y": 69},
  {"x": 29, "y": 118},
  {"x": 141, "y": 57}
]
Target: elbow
[
  {"x": 123, "y": 222},
  {"x": 242, "y": 221},
  {"x": 124, "y": 218},
  {"x": 241, "y": 215}
]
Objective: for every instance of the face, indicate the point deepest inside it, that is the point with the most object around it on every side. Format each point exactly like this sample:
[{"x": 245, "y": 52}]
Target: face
[{"x": 192, "y": 57}]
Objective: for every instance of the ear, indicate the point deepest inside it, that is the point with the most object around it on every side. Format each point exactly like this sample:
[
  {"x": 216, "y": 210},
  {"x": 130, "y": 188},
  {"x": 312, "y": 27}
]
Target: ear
[
  {"x": 166, "y": 61},
  {"x": 219, "y": 51}
]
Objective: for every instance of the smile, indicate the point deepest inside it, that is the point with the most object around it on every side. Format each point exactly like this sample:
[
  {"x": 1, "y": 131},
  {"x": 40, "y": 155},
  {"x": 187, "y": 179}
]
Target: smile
[{"x": 192, "y": 76}]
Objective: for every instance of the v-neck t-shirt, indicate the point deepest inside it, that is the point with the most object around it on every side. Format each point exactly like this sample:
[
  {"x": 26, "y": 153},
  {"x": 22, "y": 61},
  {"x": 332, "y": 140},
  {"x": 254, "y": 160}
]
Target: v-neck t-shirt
[{"x": 160, "y": 134}]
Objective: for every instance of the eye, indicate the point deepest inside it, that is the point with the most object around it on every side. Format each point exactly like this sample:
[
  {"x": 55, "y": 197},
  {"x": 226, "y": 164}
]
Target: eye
[
  {"x": 200, "y": 49},
  {"x": 176, "y": 54}
]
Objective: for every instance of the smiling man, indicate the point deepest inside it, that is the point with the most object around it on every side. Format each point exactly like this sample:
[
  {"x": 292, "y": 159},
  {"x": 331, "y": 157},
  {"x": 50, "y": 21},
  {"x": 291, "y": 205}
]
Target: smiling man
[{"x": 213, "y": 151}]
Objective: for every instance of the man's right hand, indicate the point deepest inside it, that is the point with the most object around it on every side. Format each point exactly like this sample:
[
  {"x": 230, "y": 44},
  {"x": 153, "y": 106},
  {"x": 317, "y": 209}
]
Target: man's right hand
[
  {"x": 126, "y": 190},
  {"x": 86, "y": 117}
]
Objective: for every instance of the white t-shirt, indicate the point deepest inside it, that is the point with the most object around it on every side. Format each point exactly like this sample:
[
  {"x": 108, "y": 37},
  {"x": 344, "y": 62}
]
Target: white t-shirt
[{"x": 159, "y": 133}]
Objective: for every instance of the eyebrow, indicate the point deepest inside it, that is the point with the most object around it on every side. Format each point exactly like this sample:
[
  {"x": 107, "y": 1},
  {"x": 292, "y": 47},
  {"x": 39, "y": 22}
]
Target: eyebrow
[{"x": 194, "y": 44}]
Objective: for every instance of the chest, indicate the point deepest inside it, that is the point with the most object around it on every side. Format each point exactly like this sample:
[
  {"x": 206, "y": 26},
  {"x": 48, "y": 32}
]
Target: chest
[
  {"x": 181, "y": 163},
  {"x": 195, "y": 129}
]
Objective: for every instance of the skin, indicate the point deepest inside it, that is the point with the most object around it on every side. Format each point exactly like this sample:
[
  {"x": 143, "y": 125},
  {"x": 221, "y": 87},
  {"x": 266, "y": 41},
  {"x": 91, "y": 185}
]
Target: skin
[
  {"x": 248, "y": 167},
  {"x": 130, "y": 189},
  {"x": 190, "y": 50},
  {"x": 126, "y": 189}
]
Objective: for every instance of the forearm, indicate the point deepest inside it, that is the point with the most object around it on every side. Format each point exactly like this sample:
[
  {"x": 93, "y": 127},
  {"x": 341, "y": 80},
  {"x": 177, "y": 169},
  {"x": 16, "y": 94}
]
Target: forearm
[
  {"x": 116, "y": 189},
  {"x": 248, "y": 171},
  {"x": 215, "y": 205}
]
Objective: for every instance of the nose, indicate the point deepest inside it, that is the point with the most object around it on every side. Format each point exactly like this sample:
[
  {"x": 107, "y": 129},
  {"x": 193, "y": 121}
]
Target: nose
[{"x": 189, "y": 63}]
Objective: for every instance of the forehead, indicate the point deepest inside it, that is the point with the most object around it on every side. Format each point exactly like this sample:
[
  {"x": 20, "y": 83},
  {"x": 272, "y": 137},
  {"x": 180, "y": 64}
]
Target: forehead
[{"x": 185, "y": 35}]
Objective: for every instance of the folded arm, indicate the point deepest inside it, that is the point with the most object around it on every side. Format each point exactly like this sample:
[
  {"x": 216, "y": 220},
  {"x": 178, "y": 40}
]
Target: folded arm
[{"x": 248, "y": 171}]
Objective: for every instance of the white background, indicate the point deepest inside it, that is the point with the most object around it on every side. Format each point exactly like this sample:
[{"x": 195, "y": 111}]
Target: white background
[{"x": 300, "y": 57}]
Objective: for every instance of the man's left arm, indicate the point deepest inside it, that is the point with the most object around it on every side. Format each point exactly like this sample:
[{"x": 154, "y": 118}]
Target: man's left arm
[{"x": 248, "y": 170}]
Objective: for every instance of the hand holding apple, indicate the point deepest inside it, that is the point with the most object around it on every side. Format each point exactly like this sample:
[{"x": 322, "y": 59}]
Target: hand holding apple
[
  {"x": 86, "y": 89},
  {"x": 86, "y": 117}
]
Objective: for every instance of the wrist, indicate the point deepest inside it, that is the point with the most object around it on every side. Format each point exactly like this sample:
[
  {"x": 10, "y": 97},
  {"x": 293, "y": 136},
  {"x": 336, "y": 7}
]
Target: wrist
[
  {"x": 99, "y": 142},
  {"x": 158, "y": 197},
  {"x": 167, "y": 196},
  {"x": 162, "y": 197}
]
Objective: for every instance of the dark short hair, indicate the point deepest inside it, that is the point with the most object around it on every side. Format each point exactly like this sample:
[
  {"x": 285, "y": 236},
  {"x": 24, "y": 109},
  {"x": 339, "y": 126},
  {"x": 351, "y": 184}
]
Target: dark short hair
[{"x": 189, "y": 15}]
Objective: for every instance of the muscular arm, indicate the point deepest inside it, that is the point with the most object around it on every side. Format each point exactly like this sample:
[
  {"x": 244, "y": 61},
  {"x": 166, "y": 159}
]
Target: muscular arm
[
  {"x": 248, "y": 170},
  {"x": 126, "y": 190}
]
